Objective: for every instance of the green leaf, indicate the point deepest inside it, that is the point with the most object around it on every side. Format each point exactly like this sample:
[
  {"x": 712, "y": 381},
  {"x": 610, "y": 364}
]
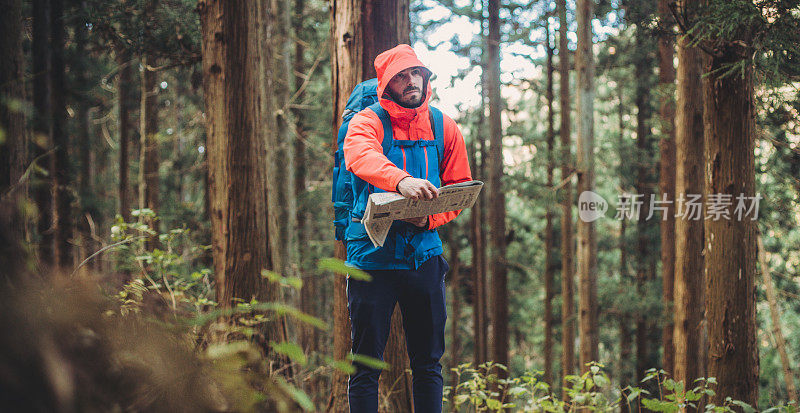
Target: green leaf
[
  {"x": 339, "y": 267},
  {"x": 296, "y": 394},
  {"x": 494, "y": 404},
  {"x": 746, "y": 408},
  {"x": 659, "y": 406},
  {"x": 370, "y": 362},
  {"x": 342, "y": 365},
  {"x": 460, "y": 399},
  {"x": 291, "y": 350}
]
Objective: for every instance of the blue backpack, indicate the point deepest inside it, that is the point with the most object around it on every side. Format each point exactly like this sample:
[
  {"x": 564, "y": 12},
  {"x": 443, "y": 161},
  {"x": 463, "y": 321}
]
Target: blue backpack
[{"x": 365, "y": 95}]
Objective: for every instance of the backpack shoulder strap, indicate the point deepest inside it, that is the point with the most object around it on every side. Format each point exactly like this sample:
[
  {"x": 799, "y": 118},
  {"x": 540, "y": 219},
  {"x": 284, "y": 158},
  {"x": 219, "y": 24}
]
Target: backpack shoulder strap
[
  {"x": 386, "y": 122},
  {"x": 437, "y": 125}
]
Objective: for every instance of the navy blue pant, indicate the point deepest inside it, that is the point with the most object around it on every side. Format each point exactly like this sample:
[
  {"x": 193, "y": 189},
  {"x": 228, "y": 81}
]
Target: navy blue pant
[{"x": 421, "y": 295}]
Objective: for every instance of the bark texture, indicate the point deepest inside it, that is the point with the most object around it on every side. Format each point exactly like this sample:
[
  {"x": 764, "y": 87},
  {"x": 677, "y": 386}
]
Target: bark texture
[
  {"x": 42, "y": 135},
  {"x": 730, "y": 254},
  {"x": 587, "y": 236},
  {"x": 666, "y": 80},
  {"x": 549, "y": 292},
  {"x": 497, "y": 209},
  {"x": 689, "y": 277},
  {"x": 62, "y": 178},
  {"x": 124, "y": 104},
  {"x": 13, "y": 138},
  {"x": 242, "y": 30},
  {"x": 567, "y": 266}
]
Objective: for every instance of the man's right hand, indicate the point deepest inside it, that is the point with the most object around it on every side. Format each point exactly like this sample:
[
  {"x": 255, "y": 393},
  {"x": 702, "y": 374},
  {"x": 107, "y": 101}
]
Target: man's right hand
[{"x": 416, "y": 188}]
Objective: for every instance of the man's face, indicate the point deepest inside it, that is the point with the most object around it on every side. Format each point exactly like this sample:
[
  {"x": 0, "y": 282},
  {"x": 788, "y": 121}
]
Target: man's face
[{"x": 406, "y": 87}]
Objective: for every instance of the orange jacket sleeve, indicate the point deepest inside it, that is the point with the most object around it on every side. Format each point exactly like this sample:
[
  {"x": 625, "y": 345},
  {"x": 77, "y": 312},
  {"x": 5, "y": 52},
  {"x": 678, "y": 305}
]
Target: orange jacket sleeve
[
  {"x": 363, "y": 153},
  {"x": 453, "y": 169}
]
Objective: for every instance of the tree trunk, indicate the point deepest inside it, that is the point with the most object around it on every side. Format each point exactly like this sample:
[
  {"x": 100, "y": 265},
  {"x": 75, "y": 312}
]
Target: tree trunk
[
  {"x": 214, "y": 69},
  {"x": 280, "y": 163},
  {"x": 497, "y": 209},
  {"x": 13, "y": 145},
  {"x": 775, "y": 314},
  {"x": 62, "y": 200},
  {"x": 308, "y": 294},
  {"x": 623, "y": 372},
  {"x": 548, "y": 231},
  {"x": 358, "y": 34},
  {"x": 643, "y": 70},
  {"x": 567, "y": 300},
  {"x": 477, "y": 213},
  {"x": 124, "y": 104},
  {"x": 689, "y": 278},
  {"x": 730, "y": 254},
  {"x": 587, "y": 236},
  {"x": 81, "y": 101},
  {"x": 148, "y": 129},
  {"x": 42, "y": 131},
  {"x": 666, "y": 79},
  {"x": 237, "y": 39}
]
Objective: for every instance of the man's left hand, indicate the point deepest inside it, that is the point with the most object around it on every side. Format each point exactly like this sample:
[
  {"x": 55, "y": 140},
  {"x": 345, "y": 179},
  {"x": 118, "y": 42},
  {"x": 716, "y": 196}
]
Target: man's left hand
[{"x": 421, "y": 222}]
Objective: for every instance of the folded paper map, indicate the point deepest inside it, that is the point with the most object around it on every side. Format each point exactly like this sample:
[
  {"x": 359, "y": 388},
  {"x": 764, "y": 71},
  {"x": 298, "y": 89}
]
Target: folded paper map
[{"x": 385, "y": 207}]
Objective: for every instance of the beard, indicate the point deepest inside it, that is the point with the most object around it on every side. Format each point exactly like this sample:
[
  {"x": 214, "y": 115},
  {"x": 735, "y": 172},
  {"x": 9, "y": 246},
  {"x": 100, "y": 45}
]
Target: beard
[{"x": 407, "y": 101}]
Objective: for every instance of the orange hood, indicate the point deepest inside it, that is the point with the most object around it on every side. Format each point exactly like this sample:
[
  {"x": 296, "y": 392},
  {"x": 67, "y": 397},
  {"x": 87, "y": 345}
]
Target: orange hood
[{"x": 392, "y": 62}]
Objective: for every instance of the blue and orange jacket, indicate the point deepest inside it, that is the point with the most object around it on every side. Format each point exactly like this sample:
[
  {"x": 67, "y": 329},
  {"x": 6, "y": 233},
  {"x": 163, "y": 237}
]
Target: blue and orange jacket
[{"x": 407, "y": 246}]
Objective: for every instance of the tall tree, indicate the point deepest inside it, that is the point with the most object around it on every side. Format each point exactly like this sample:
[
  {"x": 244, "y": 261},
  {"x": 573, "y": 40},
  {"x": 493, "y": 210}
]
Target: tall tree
[
  {"x": 78, "y": 64},
  {"x": 666, "y": 80},
  {"x": 13, "y": 138},
  {"x": 148, "y": 123},
  {"x": 549, "y": 326},
  {"x": 214, "y": 94},
  {"x": 360, "y": 30},
  {"x": 567, "y": 280},
  {"x": 730, "y": 253},
  {"x": 689, "y": 278},
  {"x": 644, "y": 64},
  {"x": 237, "y": 36},
  {"x": 497, "y": 209},
  {"x": 62, "y": 176},
  {"x": 623, "y": 372},
  {"x": 587, "y": 237},
  {"x": 303, "y": 217},
  {"x": 124, "y": 101},
  {"x": 280, "y": 162},
  {"x": 42, "y": 136},
  {"x": 477, "y": 216}
]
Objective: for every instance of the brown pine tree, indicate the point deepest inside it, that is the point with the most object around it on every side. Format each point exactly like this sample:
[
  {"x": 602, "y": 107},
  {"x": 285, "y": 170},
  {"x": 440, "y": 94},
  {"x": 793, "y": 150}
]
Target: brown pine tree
[
  {"x": 497, "y": 209},
  {"x": 148, "y": 125},
  {"x": 689, "y": 279},
  {"x": 567, "y": 280},
  {"x": 234, "y": 34},
  {"x": 13, "y": 144},
  {"x": 42, "y": 136},
  {"x": 549, "y": 326},
  {"x": 124, "y": 103},
  {"x": 730, "y": 255},
  {"x": 62, "y": 178},
  {"x": 587, "y": 237},
  {"x": 666, "y": 79}
]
